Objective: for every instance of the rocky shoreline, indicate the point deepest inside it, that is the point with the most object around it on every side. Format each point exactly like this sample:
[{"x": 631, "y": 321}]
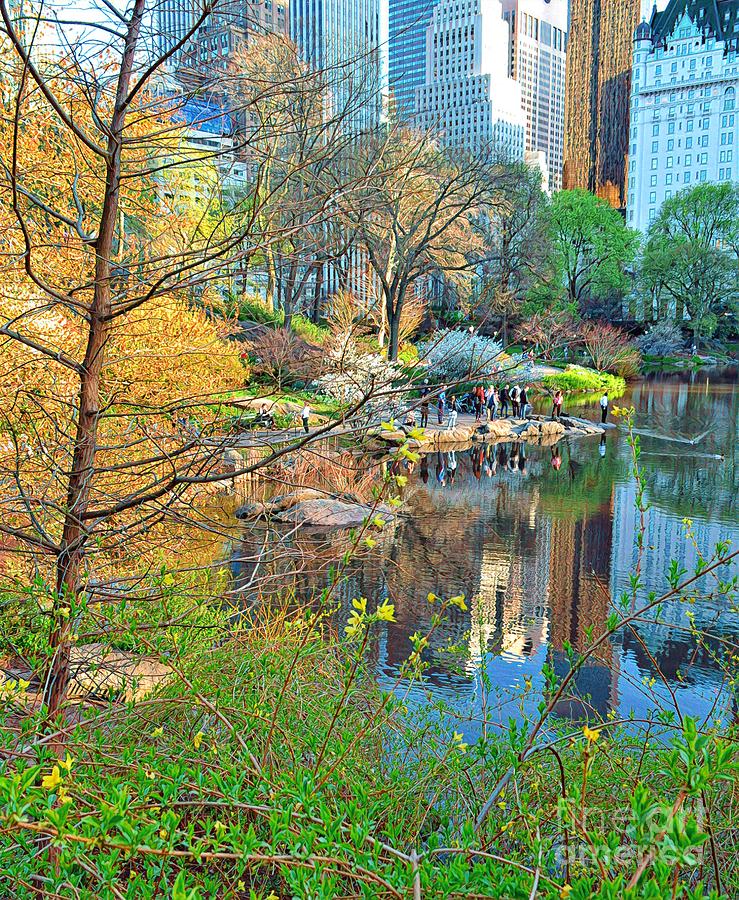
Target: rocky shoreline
[{"x": 535, "y": 430}]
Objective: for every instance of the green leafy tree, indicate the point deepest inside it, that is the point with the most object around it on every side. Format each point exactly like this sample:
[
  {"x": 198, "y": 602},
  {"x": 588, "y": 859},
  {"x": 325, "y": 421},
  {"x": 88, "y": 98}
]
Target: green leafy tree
[
  {"x": 591, "y": 248},
  {"x": 689, "y": 263}
]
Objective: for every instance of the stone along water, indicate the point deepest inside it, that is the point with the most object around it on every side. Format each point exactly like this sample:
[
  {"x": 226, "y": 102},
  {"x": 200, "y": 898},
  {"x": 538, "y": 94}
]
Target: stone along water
[{"x": 540, "y": 539}]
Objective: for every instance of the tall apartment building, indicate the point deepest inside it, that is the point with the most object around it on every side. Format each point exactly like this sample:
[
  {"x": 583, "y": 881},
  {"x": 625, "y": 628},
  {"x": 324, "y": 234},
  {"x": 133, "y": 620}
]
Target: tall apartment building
[
  {"x": 408, "y": 21},
  {"x": 597, "y": 90},
  {"x": 225, "y": 29},
  {"x": 683, "y": 103},
  {"x": 537, "y": 60},
  {"x": 468, "y": 95},
  {"x": 344, "y": 39}
]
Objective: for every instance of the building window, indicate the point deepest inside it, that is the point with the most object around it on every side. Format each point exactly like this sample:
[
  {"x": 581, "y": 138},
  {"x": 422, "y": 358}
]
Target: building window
[
  {"x": 668, "y": 178},
  {"x": 655, "y": 130},
  {"x": 669, "y": 162},
  {"x": 652, "y": 215},
  {"x": 654, "y": 181},
  {"x": 654, "y": 163},
  {"x": 703, "y": 175},
  {"x": 655, "y": 146},
  {"x": 688, "y": 143},
  {"x": 670, "y": 127},
  {"x": 729, "y": 98},
  {"x": 671, "y": 144},
  {"x": 686, "y": 178},
  {"x": 653, "y": 197}
]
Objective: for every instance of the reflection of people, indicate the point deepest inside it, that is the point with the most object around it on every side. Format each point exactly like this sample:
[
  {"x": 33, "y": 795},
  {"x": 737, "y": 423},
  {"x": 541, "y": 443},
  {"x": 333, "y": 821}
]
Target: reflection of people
[
  {"x": 522, "y": 459},
  {"x": 440, "y": 469},
  {"x": 425, "y": 469},
  {"x": 556, "y": 458},
  {"x": 452, "y": 466},
  {"x": 602, "y": 447},
  {"x": 604, "y": 407}
]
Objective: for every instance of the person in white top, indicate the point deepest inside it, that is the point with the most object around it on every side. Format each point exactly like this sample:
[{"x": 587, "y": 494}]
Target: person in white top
[
  {"x": 604, "y": 407},
  {"x": 305, "y": 416}
]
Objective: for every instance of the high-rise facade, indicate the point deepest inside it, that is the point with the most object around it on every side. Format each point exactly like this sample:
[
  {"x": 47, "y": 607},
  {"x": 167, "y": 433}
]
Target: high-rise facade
[
  {"x": 344, "y": 39},
  {"x": 408, "y": 21},
  {"x": 684, "y": 118},
  {"x": 597, "y": 90},
  {"x": 537, "y": 60},
  {"x": 468, "y": 96}
]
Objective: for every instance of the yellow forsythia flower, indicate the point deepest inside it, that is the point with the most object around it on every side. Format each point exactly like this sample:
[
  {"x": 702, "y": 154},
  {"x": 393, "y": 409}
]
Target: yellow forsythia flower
[
  {"x": 566, "y": 891},
  {"x": 52, "y": 780},
  {"x": 592, "y": 734},
  {"x": 66, "y": 763},
  {"x": 386, "y": 612},
  {"x": 198, "y": 740}
]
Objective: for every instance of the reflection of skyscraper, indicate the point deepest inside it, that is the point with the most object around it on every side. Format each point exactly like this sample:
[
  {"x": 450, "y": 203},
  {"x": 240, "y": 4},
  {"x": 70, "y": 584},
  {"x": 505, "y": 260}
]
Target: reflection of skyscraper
[
  {"x": 597, "y": 96},
  {"x": 580, "y": 569}
]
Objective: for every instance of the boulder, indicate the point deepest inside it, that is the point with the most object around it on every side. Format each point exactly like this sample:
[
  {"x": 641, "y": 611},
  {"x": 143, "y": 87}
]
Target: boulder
[
  {"x": 250, "y": 511},
  {"x": 326, "y": 513},
  {"x": 97, "y": 671}
]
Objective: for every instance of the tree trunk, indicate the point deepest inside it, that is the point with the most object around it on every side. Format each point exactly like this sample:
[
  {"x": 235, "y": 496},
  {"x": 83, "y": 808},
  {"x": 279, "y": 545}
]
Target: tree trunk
[
  {"x": 318, "y": 289},
  {"x": 70, "y": 559}
]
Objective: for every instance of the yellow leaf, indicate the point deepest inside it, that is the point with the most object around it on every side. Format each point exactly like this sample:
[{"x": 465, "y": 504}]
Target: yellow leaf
[
  {"x": 158, "y": 732},
  {"x": 198, "y": 740}
]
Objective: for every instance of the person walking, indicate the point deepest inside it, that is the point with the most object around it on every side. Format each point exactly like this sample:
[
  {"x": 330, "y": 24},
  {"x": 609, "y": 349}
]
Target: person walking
[
  {"x": 453, "y": 412},
  {"x": 515, "y": 404},
  {"x": 505, "y": 397},
  {"x": 425, "y": 409},
  {"x": 305, "y": 416},
  {"x": 557, "y": 401},
  {"x": 524, "y": 401},
  {"x": 604, "y": 407}
]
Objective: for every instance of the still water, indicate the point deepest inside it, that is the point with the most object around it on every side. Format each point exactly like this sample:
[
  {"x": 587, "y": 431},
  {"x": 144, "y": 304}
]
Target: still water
[{"x": 541, "y": 541}]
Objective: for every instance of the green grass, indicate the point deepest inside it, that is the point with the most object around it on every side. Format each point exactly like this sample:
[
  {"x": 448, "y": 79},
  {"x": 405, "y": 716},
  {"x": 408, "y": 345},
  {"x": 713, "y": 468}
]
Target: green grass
[
  {"x": 580, "y": 380},
  {"x": 255, "y": 311}
]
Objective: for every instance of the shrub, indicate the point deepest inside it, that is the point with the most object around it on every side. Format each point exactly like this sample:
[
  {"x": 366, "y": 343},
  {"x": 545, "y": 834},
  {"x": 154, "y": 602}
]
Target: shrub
[
  {"x": 578, "y": 379},
  {"x": 351, "y": 374},
  {"x": 309, "y": 331},
  {"x": 253, "y": 310},
  {"x": 610, "y": 348},
  {"x": 664, "y": 338},
  {"x": 456, "y": 355},
  {"x": 283, "y": 358}
]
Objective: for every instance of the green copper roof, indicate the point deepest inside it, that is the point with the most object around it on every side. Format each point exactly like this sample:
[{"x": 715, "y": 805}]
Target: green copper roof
[{"x": 715, "y": 18}]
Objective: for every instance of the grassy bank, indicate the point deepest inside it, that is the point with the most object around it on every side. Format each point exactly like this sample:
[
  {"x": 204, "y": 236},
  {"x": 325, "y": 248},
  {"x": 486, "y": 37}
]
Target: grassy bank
[
  {"x": 580, "y": 380},
  {"x": 273, "y": 766}
]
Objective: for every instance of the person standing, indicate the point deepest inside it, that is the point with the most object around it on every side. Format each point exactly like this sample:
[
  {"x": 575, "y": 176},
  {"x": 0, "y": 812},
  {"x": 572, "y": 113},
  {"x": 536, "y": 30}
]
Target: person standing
[
  {"x": 442, "y": 404},
  {"x": 505, "y": 397},
  {"x": 305, "y": 416},
  {"x": 425, "y": 410},
  {"x": 604, "y": 407},
  {"x": 524, "y": 401},
  {"x": 453, "y": 412},
  {"x": 493, "y": 403},
  {"x": 478, "y": 394},
  {"x": 557, "y": 401},
  {"x": 515, "y": 405}
]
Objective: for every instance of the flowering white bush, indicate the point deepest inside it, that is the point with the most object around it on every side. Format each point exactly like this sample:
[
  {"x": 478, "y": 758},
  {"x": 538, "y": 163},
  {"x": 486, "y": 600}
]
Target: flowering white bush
[
  {"x": 352, "y": 373},
  {"x": 455, "y": 355}
]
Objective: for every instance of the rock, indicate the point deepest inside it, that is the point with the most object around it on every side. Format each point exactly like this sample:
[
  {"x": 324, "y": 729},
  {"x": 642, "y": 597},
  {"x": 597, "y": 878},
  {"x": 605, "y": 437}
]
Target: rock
[
  {"x": 99, "y": 671},
  {"x": 233, "y": 461},
  {"x": 250, "y": 511},
  {"x": 327, "y": 513},
  {"x": 285, "y": 501}
]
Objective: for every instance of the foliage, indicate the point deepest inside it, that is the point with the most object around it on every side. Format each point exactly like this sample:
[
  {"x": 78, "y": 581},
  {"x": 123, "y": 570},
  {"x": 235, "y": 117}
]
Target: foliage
[
  {"x": 514, "y": 253},
  {"x": 309, "y": 331},
  {"x": 663, "y": 338},
  {"x": 577, "y": 379},
  {"x": 454, "y": 356},
  {"x": 282, "y": 358},
  {"x": 690, "y": 259},
  {"x": 353, "y": 375},
  {"x": 610, "y": 349},
  {"x": 590, "y": 247},
  {"x": 549, "y": 330},
  {"x": 251, "y": 309}
]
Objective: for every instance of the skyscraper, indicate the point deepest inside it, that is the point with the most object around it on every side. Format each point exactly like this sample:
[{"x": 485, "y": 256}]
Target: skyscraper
[
  {"x": 408, "y": 20},
  {"x": 537, "y": 61},
  {"x": 597, "y": 96},
  {"x": 343, "y": 39},
  {"x": 468, "y": 96}
]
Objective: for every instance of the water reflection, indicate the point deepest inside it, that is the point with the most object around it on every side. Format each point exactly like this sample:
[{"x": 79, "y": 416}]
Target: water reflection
[{"x": 540, "y": 539}]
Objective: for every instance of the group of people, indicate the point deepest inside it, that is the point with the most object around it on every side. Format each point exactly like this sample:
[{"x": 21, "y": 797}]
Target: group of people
[{"x": 490, "y": 402}]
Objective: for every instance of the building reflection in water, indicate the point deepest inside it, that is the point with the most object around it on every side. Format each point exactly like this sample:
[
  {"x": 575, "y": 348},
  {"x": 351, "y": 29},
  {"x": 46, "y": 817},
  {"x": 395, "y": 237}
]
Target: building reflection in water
[{"x": 538, "y": 550}]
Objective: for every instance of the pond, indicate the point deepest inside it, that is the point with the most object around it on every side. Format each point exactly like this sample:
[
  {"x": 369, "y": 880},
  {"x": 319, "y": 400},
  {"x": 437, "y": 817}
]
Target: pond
[{"x": 540, "y": 540}]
